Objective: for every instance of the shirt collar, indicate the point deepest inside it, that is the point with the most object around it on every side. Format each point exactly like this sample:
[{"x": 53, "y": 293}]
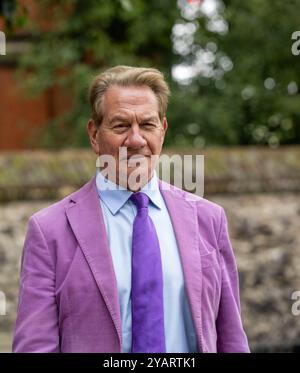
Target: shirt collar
[{"x": 115, "y": 196}]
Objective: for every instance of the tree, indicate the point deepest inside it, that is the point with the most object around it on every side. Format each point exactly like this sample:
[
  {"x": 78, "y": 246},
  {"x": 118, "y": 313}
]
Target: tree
[{"x": 249, "y": 92}]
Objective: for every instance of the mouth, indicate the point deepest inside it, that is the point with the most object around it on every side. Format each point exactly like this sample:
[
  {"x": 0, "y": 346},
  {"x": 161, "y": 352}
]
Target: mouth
[
  {"x": 138, "y": 155},
  {"x": 135, "y": 159}
]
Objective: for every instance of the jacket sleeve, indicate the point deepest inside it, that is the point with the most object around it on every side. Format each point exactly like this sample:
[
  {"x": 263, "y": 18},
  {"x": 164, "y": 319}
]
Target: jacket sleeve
[
  {"x": 36, "y": 328},
  {"x": 230, "y": 333}
]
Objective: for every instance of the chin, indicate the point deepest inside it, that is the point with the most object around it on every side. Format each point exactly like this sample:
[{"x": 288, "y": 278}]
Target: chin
[{"x": 137, "y": 178}]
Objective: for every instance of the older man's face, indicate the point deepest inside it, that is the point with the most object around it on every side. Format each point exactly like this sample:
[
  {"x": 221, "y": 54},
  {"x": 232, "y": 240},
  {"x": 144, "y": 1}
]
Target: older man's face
[{"x": 131, "y": 121}]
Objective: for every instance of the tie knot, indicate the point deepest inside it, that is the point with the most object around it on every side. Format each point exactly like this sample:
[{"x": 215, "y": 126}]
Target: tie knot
[{"x": 141, "y": 200}]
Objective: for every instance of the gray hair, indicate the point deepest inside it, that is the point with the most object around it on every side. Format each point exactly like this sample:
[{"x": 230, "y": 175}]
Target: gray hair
[{"x": 125, "y": 76}]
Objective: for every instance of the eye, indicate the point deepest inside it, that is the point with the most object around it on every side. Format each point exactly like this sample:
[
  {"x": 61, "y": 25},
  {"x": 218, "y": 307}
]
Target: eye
[
  {"x": 121, "y": 126},
  {"x": 148, "y": 125}
]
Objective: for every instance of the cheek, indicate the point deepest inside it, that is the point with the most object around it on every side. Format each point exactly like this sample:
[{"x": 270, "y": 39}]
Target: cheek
[
  {"x": 155, "y": 142},
  {"x": 109, "y": 144}
]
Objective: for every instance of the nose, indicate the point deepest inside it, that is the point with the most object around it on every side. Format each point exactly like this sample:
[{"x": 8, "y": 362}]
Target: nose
[{"x": 134, "y": 139}]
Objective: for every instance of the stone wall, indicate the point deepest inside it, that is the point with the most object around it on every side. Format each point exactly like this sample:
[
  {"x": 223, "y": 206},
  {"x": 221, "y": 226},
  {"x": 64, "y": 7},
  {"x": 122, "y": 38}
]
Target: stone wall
[{"x": 48, "y": 174}]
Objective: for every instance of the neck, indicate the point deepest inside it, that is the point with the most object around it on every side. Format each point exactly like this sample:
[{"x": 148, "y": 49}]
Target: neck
[{"x": 130, "y": 182}]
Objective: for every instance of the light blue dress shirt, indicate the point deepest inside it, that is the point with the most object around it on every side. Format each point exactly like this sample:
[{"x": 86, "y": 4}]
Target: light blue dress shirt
[{"x": 119, "y": 213}]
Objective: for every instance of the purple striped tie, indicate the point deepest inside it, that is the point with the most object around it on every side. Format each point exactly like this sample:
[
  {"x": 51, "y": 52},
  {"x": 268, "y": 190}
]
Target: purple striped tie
[{"x": 147, "y": 282}]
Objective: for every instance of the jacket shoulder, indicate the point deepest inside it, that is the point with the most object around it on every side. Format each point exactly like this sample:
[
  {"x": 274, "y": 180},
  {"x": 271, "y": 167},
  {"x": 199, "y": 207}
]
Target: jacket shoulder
[
  {"x": 202, "y": 203},
  {"x": 57, "y": 209}
]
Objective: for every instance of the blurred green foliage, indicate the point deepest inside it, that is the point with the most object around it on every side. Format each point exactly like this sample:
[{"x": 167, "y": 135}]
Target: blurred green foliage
[
  {"x": 235, "y": 79},
  {"x": 251, "y": 93}
]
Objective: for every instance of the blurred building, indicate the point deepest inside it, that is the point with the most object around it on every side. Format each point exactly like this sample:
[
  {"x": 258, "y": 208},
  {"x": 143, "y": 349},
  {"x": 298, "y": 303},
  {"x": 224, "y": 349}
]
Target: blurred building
[{"x": 22, "y": 117}]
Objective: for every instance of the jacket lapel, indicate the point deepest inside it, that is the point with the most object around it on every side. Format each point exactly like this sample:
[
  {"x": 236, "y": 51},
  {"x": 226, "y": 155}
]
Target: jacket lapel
[
  {"x": 86, "y": 219},
  {"x": 183, "y": 214}
]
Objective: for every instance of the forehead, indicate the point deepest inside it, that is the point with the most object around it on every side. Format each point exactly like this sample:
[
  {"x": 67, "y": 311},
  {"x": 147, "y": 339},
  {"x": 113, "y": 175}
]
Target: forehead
[{"x": 130, "y": 101}]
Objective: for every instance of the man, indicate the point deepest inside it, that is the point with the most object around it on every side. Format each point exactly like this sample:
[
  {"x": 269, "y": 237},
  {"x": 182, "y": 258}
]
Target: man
[{"x": 129, "y": 264}]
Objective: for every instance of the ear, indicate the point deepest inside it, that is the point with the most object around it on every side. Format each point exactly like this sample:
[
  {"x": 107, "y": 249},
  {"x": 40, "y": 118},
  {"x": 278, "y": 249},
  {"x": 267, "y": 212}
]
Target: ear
[
  {"x": 165, "y": 124},
  {"x": 165, "y": 127},
  {"x": 92, "y": 131}
]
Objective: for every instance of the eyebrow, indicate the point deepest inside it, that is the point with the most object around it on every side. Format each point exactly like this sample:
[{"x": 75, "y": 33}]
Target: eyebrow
[
  {"x": 149, "y": 119},
  {"x": 119, "y": 118},
  {"x": 127, "y": 120}
]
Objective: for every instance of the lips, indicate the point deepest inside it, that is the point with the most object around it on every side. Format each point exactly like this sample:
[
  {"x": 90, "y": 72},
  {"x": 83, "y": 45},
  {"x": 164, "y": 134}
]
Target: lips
[
  {"x": 135, "y": 157},
  {"x": 138, "y": 156}
]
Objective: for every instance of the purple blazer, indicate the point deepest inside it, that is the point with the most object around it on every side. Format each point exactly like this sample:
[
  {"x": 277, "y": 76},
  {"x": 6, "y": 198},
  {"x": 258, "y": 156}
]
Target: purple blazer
[{"x": 68, "y": 300}]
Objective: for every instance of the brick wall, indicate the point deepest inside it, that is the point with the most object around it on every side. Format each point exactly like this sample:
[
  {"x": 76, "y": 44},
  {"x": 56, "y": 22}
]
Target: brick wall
[{"x": 22, "y": 117}]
